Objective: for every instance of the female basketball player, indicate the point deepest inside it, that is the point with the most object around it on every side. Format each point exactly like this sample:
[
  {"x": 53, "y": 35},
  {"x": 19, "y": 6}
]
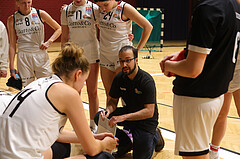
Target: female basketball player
[
  {"x": 78, "y": 21},
  {"x": 115, "y": 24},
  {"x": 27, "y": 25},
  {"x": 33, "y": 119}
]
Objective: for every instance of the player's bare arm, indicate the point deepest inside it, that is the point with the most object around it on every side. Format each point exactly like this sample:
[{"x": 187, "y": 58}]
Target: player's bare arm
[
  {"x": 73, "y": 108},
  {"x": 190, "y": 67},
  {"x": 12, "y": 44},
  {"x": 131, "y": 13},
  {"x": 65, "y": 35},
  {"x": 54, "y": 25}
]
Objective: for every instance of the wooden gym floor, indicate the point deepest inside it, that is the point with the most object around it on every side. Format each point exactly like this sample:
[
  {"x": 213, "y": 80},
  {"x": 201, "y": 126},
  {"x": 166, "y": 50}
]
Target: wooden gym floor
[{"x": 231, "y": 141}]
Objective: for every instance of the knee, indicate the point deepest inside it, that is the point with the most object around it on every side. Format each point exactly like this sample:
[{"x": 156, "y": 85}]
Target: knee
[{"x": 61, "y": 150}]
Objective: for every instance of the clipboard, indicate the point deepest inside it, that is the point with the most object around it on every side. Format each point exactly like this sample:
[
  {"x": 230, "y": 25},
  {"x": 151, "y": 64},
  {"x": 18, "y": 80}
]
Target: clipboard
[{"x": 103, "y": 126}]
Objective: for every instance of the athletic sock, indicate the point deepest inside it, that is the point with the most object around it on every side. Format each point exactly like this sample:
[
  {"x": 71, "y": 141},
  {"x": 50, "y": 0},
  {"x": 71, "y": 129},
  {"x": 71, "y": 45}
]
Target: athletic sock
[
  {"x": 213, "y": 153},
  {"x": 214, "y": 147}
]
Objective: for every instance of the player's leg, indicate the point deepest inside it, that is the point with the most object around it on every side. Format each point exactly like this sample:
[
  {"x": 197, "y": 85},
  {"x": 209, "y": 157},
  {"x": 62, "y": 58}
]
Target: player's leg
[
  {"x": 221, "y": 123},
  {"x": 42, "y": 65},
  {"x": 47, "y": 154},
  {"x": 107, "y": 78},
  {"x": 236, "y": 96},
  {"x": 108, "y": 69},
  {"x": 25, "y": 68},
  {"x": 220, "y": 126},
  {"x": 92, "y": 83},
  {"x": 234, "y": 85}
]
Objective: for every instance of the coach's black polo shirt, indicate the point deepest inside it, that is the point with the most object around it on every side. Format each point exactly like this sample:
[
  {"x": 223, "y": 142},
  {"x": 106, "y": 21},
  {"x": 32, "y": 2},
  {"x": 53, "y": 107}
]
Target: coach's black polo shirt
[{"x": 135, "y": 93}]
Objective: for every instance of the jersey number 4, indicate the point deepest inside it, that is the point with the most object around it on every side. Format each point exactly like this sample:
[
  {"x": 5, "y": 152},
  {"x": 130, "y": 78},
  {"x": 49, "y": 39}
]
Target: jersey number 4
[{"x": 20, "y": 97}]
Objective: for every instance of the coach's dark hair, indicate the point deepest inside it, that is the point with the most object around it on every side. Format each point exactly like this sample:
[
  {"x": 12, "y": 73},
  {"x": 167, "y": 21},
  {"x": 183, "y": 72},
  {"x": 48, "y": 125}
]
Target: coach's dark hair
[
  {"x": 70, "y": 59},
  {"x": 127, "y": 47}
]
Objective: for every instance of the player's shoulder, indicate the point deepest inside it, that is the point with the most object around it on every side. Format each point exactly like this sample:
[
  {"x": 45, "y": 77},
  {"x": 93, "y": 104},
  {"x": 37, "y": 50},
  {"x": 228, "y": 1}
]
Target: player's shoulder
[
  {"x": 93, "y": 5},
  {"x": 10, "y": 19},
  {"x": 63, "y": 90},
  {"x": 213, "y": 5},
  {"x": 67, "y": 7},
  {"x": 144, "y": 76},
  {"x": 1, "y": 24}
]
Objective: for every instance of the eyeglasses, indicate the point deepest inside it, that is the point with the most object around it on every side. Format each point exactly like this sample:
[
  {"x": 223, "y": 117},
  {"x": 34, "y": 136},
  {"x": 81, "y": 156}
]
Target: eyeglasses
[{"x": 127, "y": 61}]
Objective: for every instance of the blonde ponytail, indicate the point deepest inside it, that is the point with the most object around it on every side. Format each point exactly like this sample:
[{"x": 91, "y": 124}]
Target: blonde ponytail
[{"x": 70, "y": 59}]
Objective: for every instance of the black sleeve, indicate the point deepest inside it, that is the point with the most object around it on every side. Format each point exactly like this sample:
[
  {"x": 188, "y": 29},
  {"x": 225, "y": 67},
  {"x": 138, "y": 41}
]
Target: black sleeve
[{"x": 204, "y": 26}]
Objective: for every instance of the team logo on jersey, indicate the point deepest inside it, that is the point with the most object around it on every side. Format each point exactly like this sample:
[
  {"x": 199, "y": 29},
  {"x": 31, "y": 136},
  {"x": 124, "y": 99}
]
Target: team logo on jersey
[
  {"x": 34, "y": 22},
  {"x": 80, "y": 24},
  {"x": 34, "y": 15},
  {"x": 86, "y": 16},
  {"x": 19, "y": 21},
  {"x": 137, "y": 91},
  {"x": 110, "y": 26},
  {"x": 117, "y": 16},
  {"x": 118, "y": 10},
  {"x": 89, "y": 10},
  {"x": 32, "y": 30},
  {"x": 70, "y": 13}
]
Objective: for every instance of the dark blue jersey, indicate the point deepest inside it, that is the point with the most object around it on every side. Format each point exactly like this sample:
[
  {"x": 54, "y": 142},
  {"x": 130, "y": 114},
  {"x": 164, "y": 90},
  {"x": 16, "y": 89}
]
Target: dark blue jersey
[{"x": 215, "y": 31}]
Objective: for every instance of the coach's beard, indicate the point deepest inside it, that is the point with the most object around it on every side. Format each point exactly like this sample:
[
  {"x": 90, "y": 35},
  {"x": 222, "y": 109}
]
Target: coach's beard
[{"x": 130, "y": 70}]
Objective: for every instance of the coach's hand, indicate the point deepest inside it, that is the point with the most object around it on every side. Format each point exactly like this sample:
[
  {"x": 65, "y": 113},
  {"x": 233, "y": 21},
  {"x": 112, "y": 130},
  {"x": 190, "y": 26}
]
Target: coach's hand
[
  {"x": 116, "y": 119},
  {"x": 104, "y": 114}
]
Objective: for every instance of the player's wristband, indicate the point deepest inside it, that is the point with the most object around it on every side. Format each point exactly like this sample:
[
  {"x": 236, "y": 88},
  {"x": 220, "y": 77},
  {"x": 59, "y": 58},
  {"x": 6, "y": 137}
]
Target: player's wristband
[{"x": 13, "y": 71}]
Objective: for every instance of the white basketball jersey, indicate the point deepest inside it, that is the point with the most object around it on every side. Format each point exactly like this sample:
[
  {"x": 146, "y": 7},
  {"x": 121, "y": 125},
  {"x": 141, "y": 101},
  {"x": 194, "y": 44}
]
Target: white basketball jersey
[
  {"x": 30, "y": 31},
  {"x": 31, "y": 123},
  {"x": 5, "y": 98},
  {"x": 81, "y": 22},
  {"x": 113, "y": 30}
]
